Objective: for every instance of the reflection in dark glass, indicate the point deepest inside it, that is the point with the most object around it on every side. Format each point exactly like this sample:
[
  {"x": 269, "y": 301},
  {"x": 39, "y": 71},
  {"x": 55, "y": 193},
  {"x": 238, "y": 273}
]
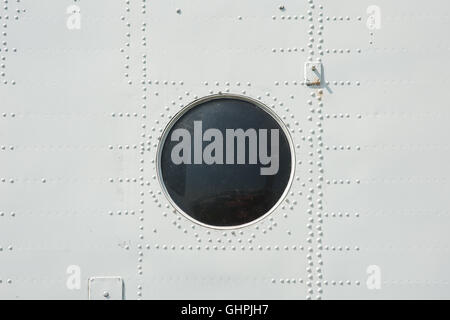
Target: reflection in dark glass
[{"x": 225, "y": 195}]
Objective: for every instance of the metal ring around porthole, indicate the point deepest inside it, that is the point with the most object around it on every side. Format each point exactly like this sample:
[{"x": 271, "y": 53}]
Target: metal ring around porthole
[{"x": 210, "y": 170}]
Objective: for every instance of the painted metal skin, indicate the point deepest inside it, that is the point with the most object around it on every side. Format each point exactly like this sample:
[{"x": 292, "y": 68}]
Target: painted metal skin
[{"x": 88, "y": 87}]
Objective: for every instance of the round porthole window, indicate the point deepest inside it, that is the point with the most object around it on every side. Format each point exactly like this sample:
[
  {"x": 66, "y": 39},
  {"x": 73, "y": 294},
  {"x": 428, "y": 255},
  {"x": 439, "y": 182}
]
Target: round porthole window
[{"x": 225, "y": 161}]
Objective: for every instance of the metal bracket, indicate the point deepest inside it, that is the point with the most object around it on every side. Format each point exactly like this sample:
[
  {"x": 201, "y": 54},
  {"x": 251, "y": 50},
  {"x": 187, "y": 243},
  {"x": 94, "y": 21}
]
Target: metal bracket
[
  {"x": 313, "y": 73},
  {"x": 106, "y": 288}
]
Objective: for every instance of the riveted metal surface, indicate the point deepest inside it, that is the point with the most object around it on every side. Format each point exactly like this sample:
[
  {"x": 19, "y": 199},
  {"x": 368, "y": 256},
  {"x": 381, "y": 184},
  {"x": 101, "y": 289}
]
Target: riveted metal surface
[
  {"x": 313, "y": 73},
  {"x": 106, "y": 288},
  {"x": 88, "y": 87}
]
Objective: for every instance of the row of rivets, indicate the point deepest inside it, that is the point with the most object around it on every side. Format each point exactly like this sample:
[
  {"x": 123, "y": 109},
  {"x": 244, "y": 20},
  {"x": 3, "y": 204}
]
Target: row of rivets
[
  {"x": 5, "y": 50},
  {"x": 11, "y": 214},
  {"x": 314, "y": 135},
  {"x": 223, "y": 247},
  {"x": 145, "y": 144},
  {"x": 8, "y": 281},
  {"x": 347, "y": 18},
  {"x": 9, "y": 248}
]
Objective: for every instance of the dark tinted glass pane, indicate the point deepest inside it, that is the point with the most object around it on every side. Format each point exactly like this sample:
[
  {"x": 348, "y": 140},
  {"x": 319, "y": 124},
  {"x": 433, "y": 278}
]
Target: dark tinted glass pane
[{"x": 227, "y": 192}]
